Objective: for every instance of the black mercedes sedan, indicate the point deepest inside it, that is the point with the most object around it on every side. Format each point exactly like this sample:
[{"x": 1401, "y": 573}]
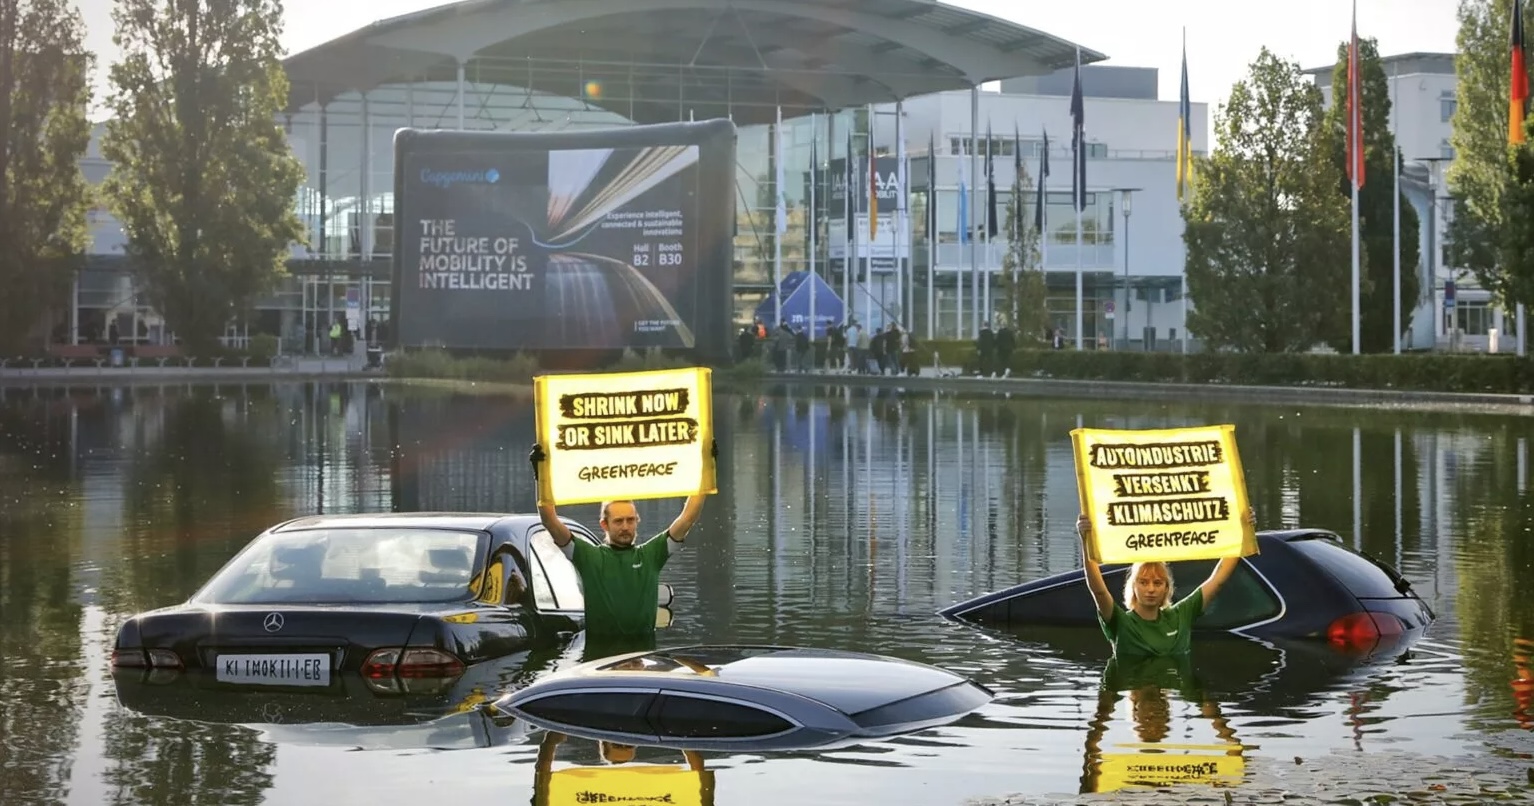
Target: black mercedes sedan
[
  {"x": 1302, "y": 584},
  {"x": 404, "y": 602}
]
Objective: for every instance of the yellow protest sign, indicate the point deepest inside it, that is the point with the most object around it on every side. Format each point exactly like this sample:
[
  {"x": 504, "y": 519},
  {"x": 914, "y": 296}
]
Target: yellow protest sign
[
  {"x": 625, "y": 435},
  {"x": 1169, "y": 764},
  {"x": 1166, "y": 494},
  {"x": 629, "y": 784}
]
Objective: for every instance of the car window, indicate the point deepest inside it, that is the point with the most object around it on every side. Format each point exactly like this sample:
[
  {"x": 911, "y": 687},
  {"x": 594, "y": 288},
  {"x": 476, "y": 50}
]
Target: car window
[
  {"x": 1244, "y": 598},
  {"x": 556, "y": 584},
  {"x": 378, "y": 565},
  {"x": 621, "y": 712},
  {"x": 697, "y": 717},
  {"x": 945, "y": 702},
  {"x": 1360, "y": 575}
]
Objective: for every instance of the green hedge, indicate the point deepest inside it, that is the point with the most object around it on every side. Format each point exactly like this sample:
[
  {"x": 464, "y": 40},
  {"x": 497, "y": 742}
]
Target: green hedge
[{"x": 1428, "y": 372}]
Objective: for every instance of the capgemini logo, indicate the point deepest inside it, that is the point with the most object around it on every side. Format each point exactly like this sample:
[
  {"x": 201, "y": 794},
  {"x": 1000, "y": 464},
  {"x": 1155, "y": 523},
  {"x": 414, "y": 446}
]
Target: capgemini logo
[{"x": 444, "y": 179}]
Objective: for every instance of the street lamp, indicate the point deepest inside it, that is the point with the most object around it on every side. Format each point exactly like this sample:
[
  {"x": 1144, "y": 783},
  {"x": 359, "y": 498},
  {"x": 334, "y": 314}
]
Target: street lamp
[{"x": 1125, "y": 199}]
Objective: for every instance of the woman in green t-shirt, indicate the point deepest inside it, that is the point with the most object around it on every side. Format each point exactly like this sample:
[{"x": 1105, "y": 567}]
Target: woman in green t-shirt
[{"x": 1145, "y": 624}]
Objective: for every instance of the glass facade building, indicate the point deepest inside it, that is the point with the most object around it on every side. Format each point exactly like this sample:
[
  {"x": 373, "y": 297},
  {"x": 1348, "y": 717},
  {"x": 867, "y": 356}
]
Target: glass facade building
[{"x": 821, "y": 72}]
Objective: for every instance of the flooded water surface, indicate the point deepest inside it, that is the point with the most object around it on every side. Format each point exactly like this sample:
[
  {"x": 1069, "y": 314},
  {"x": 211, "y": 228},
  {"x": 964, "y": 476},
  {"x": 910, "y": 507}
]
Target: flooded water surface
[{"x": 844, "y": 519}]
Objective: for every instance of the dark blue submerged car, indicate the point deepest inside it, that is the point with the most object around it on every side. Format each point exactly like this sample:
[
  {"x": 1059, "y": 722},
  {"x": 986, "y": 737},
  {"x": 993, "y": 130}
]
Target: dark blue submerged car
[{"x": 1303, "y": 584}]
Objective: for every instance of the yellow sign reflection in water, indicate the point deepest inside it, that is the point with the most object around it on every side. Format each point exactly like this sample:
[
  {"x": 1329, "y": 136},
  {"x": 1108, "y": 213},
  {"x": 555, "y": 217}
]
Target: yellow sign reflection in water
[
  {"x": 632, "y": 785},
  {"x": 1166, "y": 764}
]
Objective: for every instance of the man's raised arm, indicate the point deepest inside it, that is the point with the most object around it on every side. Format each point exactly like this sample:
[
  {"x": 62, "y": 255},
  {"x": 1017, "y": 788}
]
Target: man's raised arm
[
  {"x": 694, "y": 506},
  {"x": 546, "y": 513}
]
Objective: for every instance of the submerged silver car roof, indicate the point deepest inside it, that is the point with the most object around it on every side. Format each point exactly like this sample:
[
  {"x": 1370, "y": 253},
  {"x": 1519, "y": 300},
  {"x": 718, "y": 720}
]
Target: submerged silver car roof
[{"x": 849, "y": 682}]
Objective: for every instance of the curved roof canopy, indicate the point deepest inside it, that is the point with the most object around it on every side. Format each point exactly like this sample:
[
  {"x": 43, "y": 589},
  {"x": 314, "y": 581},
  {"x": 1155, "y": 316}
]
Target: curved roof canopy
[{"x": 666, "y": 60}]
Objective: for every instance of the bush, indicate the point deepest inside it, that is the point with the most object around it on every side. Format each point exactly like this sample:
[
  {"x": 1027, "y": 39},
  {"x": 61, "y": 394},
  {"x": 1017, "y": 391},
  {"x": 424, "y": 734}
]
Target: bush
[
  {"x": 1420, "y": 372},
  {"x": 262, "y": 347},
  {"x": 653, "y": 358},
  {"x": 439, "y": 363}
]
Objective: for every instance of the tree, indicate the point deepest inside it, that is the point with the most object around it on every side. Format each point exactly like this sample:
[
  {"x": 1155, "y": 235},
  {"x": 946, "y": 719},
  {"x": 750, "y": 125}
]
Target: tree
[
  {"x": 203, "y": 178},
  {"x": 1266, "y": 233},
  {"x": 1022, "y": 290},
  {"x": 44, "y": 93},
  {"x": 1376, "y": 205},
  {"x": 1481, "y": 172},
  {"x": 1512, "y": 241}
]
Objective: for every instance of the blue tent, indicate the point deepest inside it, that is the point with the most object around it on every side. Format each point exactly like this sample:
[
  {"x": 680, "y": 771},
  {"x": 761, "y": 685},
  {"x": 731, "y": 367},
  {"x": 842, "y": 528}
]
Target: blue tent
[{"x": 796, "y": 304}]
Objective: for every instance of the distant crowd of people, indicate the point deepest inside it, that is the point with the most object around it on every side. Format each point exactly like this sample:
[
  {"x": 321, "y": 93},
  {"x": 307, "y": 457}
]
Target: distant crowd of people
[{"x": 850, "y": 347}]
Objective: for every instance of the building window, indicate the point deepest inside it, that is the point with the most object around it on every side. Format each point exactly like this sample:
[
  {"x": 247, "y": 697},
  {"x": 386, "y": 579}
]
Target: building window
[
  {"x": 1446, "y": 107},
  {"x": 1445, "y": 150},
  {"x": 1473, "y": 318}
]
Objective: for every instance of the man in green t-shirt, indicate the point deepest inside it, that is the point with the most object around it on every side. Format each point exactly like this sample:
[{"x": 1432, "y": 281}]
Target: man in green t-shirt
[
  {"x": 1145, "y": 624},
  {"x": 619, "y": 579}
]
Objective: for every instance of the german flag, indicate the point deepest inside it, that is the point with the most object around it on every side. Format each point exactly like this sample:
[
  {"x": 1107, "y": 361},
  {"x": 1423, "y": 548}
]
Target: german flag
[{"x": 1518, "y": 96}]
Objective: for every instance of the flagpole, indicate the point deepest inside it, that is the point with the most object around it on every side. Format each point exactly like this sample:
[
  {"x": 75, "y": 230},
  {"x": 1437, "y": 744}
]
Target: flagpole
[
  {"x": 782, "y": 215},
  {"x": 1078, "y": 185},
  {"x": 1355, "y": 160},
  {"x": 873, "y": 225},
  {"x": 1518, "y": 112},
  {"x": 990, "y": 205},
  {"x": 963, "y": 226},
  {"x": 969, "y": 218},
  {"x": 899, "y": 209},
  {"x": 1043, "y": 213},
  {"x": 814, "y": 223},
  {"x": 1079, "y": 292},
  {"x": 849, "y": 224},
  {"x": 1395, "y": 154},
  {"x": 931, "y": 228}
]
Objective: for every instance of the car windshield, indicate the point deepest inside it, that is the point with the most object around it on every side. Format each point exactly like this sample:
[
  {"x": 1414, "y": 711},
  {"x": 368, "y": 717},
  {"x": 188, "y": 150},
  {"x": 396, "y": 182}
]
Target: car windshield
[{"x": 376, "y": 565}]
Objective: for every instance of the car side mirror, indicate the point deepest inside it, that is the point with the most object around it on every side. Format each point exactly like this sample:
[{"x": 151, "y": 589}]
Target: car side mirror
[
  {"x": 667, "y": 595},
  {"x": 662, "y": 618}
]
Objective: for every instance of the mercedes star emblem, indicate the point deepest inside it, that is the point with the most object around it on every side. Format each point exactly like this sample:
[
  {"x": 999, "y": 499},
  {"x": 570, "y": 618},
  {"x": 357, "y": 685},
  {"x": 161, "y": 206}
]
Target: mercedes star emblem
[{"x": 273, "y": 622}]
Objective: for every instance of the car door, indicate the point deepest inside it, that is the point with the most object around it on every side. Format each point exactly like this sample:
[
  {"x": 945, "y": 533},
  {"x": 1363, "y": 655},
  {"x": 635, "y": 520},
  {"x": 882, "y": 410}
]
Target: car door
[{"x": 557, "y": 599}]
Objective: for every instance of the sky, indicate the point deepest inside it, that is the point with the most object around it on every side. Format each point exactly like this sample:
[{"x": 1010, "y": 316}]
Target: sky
[{"x": 1222, "y": 42}]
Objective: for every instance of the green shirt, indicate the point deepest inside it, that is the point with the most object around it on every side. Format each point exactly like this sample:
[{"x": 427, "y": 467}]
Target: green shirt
[
  {"x": 621, "y": 586},
  {"x": 1170, "y": 633}
]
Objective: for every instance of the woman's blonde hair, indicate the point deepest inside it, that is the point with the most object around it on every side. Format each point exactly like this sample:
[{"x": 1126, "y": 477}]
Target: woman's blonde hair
[{"x": 1134, "y": 574}]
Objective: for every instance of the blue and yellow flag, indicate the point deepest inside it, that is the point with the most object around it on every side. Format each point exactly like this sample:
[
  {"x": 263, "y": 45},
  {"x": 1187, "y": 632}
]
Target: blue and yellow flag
[{"x": 1184, "y": 132}]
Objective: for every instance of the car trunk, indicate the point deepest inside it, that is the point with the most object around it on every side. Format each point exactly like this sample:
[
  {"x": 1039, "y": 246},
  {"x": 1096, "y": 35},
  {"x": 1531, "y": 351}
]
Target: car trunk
[
  {"x": 282, "y": 645},
  {"x": 1378, "y": 587}
]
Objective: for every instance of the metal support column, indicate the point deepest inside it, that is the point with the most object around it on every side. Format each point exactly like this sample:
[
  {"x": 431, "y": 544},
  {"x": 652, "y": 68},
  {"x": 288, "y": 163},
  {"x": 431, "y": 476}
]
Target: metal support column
[
  {"x": 460, "y": 94},
  {"x": 974, "y": 202},
  {"x": 323, "y": 329}
]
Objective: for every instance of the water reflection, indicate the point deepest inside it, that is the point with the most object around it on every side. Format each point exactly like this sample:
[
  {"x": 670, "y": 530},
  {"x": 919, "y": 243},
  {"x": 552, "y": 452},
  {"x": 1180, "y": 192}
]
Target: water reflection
[
  {"x": 1167, "y": 708},
  {"x": 845, "y": 519},
  {"x": 616, "y": 778}
]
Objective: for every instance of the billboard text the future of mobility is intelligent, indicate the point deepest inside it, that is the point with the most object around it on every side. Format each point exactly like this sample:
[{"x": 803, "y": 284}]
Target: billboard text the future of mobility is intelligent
[{"x": 596, "y": 240}]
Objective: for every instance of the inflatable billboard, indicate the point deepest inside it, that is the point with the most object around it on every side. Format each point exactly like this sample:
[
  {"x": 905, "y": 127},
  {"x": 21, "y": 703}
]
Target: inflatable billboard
[{"x": 588, "y": 240}]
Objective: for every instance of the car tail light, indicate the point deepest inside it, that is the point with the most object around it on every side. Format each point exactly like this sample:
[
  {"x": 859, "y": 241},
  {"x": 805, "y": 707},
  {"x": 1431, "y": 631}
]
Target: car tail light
[
  {"x": 1357, "y": 630},
  {"x": 411, "y": 662},
  {"x": 129, "y": 659},
  {"x": 141, "y": 658}
]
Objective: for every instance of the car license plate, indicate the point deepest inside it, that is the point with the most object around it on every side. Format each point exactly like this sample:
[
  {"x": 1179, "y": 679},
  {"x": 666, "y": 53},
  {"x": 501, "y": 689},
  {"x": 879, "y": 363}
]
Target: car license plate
[{"x": 275, "y": 670}]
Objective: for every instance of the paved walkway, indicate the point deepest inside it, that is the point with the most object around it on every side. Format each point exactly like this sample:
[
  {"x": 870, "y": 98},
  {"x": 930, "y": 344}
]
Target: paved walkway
[{"x": 23, "y": 373}]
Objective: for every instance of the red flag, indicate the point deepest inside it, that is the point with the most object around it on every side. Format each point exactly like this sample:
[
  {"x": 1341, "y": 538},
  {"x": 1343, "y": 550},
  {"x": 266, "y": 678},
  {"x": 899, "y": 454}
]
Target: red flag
[
  {"x": 1518, "y": 97},
  {"x": 1355, "y": 109}
]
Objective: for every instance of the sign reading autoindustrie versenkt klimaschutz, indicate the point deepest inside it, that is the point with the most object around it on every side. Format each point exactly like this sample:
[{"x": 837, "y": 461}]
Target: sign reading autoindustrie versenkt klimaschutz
[{"x": 505, "y": 246}]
